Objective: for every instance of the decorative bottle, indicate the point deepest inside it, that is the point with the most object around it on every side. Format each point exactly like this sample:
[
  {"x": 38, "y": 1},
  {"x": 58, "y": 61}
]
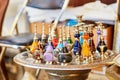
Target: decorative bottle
[
  {"x": 102, "y": 48},
  {"x": 35, "y": 41},
  {"x": 69, "y": 40}
]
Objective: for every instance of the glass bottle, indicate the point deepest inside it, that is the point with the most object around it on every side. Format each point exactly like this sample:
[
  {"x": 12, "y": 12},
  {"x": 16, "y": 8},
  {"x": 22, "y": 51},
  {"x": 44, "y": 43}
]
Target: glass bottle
[
  {"x": 44, "y": 37},
  {"x": 102, "y": 48},
  {"x": 85, "y": 47},
  {"x": 69, "y": 40},
  {"x": 64, "y": 37},
  {"x": 76, "y": 45},
  {"x": 64, "y": 56},
  {"x": 49, "y": 53},
  {"x": 60, "y": 43},
  {"x": 35, "y": 41},
  {"x": 54, "y": 39}
]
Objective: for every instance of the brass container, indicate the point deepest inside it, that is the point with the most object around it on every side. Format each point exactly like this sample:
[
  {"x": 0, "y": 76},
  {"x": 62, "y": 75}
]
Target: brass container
[{"x": 68, "y": 74}]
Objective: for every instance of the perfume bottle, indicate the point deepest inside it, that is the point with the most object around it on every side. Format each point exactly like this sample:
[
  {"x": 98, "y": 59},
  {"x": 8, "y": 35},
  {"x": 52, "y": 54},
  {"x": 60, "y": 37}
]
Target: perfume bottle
[
  {"x": 44, "y": 37},
  {"x": 91, "y": 41},
  {"x": 81, "y": 34},
  {"x": 60, "y": 43},
  {"x": 102, "y": 48},
  {"x": 64, "y": 56},
  {"x": 64, "y": 37},
  {"x": 85, "y": 47},
  {"x": 35, "y": 41},
  {"x": 99, "y": 30},
  {"x": 54, "y": 39},
  {"x": 49, "y": 53},
  {"x": 36, "y": 55},
  {"x": 50, "y": 38},
  {"x": 76, "y": 45},
  {"x": 69, "y": 40}
]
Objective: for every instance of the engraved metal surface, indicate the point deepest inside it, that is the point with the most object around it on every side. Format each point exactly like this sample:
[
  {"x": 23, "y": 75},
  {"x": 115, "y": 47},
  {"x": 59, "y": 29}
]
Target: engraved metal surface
[
  {"x": 117, "y": 60},
  {"x": 24, "y": 60}
]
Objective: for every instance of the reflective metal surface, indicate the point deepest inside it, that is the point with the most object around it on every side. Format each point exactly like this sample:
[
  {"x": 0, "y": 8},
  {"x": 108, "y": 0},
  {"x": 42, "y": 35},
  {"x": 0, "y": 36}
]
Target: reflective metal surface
[
  {"x": 70, "y": 71},
  {"x": 24, "y": 60}
]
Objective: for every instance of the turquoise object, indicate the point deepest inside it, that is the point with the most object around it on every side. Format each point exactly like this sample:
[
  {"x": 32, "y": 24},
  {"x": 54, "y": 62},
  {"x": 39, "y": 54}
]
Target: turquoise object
[
  {"x": 71, "y": 22},
  {"x": 81, "y": 39},
  {"x": 59, "y": 46}
]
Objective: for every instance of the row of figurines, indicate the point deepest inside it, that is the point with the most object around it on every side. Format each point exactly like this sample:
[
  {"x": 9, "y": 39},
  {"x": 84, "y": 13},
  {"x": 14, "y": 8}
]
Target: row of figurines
[{"x": 64, "y": 51}]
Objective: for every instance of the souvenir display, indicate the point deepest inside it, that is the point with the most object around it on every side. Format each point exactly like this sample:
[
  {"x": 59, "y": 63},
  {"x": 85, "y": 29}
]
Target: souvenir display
[
  {"x": 65, "y": 51},
  {"x": 67, "y": 55}
]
